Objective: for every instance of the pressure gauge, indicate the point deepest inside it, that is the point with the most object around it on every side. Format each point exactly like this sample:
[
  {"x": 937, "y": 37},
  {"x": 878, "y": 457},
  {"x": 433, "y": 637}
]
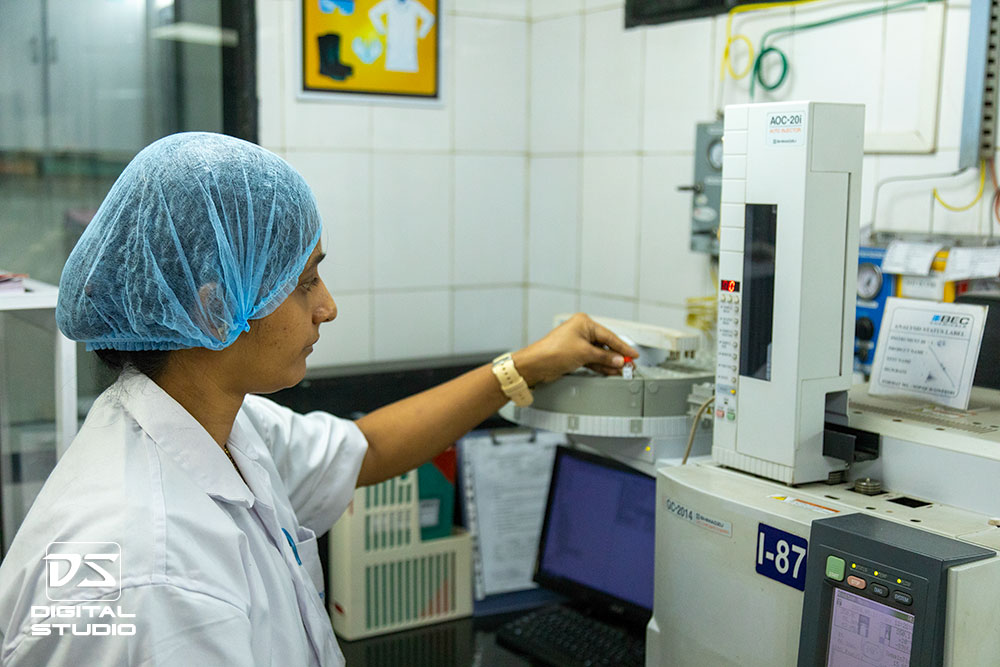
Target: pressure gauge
[
  {"x": 715, "y": 154},
  {"x": 869, "y": 281}
]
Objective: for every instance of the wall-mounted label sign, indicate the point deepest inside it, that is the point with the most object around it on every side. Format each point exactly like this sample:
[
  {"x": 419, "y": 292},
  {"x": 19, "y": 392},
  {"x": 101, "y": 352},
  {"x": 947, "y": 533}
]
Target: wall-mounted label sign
[
  {"x": 929, "y": 350},
  {"x": 371, "y": 47}
]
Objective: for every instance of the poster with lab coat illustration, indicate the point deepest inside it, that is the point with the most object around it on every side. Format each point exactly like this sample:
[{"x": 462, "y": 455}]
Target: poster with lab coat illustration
[{"x": 371, "y": 47}]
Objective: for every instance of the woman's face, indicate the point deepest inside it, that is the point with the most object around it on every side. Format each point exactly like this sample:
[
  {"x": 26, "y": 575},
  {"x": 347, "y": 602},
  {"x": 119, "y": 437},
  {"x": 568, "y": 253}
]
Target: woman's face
[{"x": 272, "y": 355}]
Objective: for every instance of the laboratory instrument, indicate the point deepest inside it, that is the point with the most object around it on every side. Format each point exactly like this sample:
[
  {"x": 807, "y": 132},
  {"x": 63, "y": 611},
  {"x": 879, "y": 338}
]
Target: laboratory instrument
[
  {"x": 787, "y": 261},
  {"x": 891, "y": 563},
  {"x": 640, "y": 420},
  {"x": 706, "y": 191},
  {"x": 874, "y": 287}
]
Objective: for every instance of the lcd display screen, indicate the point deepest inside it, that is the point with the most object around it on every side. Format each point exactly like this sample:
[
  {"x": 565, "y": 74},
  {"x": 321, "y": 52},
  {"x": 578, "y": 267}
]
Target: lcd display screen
[{"x": 865, "y": 633}]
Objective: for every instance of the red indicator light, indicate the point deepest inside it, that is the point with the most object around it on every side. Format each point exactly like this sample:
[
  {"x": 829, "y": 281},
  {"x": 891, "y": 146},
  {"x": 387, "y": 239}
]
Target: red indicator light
[{"x": 730, "y": 286}]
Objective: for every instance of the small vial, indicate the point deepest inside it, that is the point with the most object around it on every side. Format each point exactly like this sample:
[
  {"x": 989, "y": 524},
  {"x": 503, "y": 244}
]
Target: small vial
[{"x": 628, "y": 370}]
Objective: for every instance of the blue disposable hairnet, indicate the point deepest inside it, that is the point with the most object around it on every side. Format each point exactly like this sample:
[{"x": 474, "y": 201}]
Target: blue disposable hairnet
[{"x": 200, "y": 234}]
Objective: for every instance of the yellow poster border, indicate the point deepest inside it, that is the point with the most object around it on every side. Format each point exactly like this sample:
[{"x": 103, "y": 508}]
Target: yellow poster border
[{"x": 356, "y": 63}]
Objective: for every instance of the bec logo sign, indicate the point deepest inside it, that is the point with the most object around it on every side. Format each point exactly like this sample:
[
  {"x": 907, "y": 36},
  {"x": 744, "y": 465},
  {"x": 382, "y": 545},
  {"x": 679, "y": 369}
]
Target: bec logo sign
[{"x": 83, "y": 571}]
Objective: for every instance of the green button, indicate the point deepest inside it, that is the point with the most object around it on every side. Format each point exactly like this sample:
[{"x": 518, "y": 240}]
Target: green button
[
  {"x": 835, "y": 568},
  {"x": 731, "y": 416}
]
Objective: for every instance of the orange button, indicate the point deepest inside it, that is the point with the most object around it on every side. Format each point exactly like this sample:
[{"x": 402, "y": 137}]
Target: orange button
[{"x": 857, "y": 582}]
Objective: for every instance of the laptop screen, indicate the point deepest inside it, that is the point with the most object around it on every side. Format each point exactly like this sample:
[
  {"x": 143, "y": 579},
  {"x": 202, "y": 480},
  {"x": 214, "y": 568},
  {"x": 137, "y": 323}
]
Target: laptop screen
[{"x": 598, "y": 535}]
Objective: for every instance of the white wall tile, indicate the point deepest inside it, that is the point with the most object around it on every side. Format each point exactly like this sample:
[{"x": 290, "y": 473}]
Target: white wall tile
[
  {"x": 489, "y": 219},
  {"x": 677, "y": 84},
  {"x": 412, "y": 324},
  {"x": 554, "y": 222},
  {"x": 491, "y": 71},
  {"x": 609, "y": 239},
  {"x": 411, "y": 129},
  {"x": 341, "y": 183},
  {"x": 543, "y": 306},
  {"x": 597, "y": 305},
  {"x": 592, "y": 5},
  {"x": 669, "y": 271},
  {"x": 556, "y": 84},
  {"x": 316, "y": 124},
  {"x": 412, "y": 220},
  {"x": 348, "y": 339},
  {"x": 909, "y": 39},
  {"x": 402, "y": 127},
  {"x": 854, "y": 74},
  {"x": 270, "y": 73},
  {"x": 544, "y": 9},
  {"x": 488, "y": 320},
  {"x": 511, "y": 9},
  {"x": 663, "y": 316},
  {"x": 611, "y": 83}
]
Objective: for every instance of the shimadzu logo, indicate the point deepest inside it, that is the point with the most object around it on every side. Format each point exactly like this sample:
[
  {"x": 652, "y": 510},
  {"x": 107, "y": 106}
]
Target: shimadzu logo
[
  {"x": 88, "y": 572},
  {"x": 66, "y": 580},
  {"x": 954, "y": 320}
]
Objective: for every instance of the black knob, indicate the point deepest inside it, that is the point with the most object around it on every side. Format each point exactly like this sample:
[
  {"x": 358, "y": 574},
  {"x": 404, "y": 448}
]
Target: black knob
[{"x": 864, "y": 329}]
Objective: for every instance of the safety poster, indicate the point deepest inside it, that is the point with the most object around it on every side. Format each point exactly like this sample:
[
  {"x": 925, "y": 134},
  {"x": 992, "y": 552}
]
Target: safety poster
[{"x": 371, "y": 47}]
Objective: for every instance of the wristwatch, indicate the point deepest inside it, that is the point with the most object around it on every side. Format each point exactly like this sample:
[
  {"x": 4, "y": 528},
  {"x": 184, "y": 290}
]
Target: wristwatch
[{"x": 511, "y": 382}]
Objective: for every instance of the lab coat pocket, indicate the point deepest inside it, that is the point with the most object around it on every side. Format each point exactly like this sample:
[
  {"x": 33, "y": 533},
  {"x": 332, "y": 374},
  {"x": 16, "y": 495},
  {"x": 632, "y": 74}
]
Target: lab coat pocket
[{"x": 309, "y": 553}]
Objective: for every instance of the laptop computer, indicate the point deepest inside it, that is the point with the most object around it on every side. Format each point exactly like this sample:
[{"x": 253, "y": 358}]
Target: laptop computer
[{"x": 596, "y": 549}]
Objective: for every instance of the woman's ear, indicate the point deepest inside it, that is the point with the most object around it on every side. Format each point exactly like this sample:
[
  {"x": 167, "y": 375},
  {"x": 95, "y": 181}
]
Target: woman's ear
[{"x": 208, "y": 316}]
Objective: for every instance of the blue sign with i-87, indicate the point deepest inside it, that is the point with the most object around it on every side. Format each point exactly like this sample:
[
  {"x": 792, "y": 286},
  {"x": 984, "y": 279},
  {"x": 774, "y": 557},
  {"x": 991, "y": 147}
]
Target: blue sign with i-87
[{"x": 781, "y": 556}]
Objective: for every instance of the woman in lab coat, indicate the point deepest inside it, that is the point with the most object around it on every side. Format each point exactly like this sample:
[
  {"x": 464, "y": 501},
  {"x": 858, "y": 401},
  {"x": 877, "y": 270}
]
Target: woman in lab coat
[{"x": 180, "y": 526}]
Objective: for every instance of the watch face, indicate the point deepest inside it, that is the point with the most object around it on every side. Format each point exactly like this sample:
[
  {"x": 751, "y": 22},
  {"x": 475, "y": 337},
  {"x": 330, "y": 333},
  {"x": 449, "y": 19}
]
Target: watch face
[
  {"x": 715, "y": 154},
  {"x": 869, "y": 280}
]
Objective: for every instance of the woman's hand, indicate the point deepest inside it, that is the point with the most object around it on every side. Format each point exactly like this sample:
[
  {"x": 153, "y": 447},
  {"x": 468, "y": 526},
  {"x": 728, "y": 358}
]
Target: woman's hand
[
  {"x": 579, "y": 341},
  {"x": 406, "y": 433}
]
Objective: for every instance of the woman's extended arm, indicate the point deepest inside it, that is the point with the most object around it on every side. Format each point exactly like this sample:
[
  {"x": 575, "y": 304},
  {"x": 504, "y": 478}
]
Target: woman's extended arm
[{"x": 405, "y": 434}]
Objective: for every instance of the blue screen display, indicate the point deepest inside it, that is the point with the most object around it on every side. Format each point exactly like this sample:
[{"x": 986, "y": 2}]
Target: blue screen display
[{"x": 600, "y": 529}]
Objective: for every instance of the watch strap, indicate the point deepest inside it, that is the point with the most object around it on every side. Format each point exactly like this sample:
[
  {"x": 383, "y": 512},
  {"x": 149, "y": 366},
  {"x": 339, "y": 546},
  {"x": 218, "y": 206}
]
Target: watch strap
[{"x": 511, "y": 383}]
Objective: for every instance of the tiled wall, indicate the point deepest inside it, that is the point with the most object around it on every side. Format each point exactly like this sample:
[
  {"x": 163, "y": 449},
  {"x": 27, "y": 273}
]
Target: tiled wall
[{"x": 546, "y": 180}]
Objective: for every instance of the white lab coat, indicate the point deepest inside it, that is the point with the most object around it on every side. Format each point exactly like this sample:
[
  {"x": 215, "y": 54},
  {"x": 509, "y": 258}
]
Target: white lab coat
[
  {"x": 408, "y": 23},
  {"x": 206, "y": 568}
]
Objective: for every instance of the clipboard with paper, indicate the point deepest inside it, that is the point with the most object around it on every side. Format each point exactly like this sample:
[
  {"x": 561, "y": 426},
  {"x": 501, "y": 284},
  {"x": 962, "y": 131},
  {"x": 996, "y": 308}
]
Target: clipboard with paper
[{"x": 504, "y": 477}]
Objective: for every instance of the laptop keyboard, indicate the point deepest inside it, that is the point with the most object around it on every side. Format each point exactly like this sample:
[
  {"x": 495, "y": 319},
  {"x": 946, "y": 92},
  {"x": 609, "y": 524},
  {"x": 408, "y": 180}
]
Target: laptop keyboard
[{"x": 564, "y": 637}]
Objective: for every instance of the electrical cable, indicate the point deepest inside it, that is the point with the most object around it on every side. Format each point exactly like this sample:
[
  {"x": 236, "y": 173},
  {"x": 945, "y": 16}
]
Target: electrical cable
[
  {"x": 728, "y": 62},
  {"x": 996, "y": 194},
  {"x": 763, "y": 49},
  {"x": 730, "y": 38},
  {"x": 979, "y": 195},
  {"x": 694, "y": 427},
  {"x": 902, "y": 179}
]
